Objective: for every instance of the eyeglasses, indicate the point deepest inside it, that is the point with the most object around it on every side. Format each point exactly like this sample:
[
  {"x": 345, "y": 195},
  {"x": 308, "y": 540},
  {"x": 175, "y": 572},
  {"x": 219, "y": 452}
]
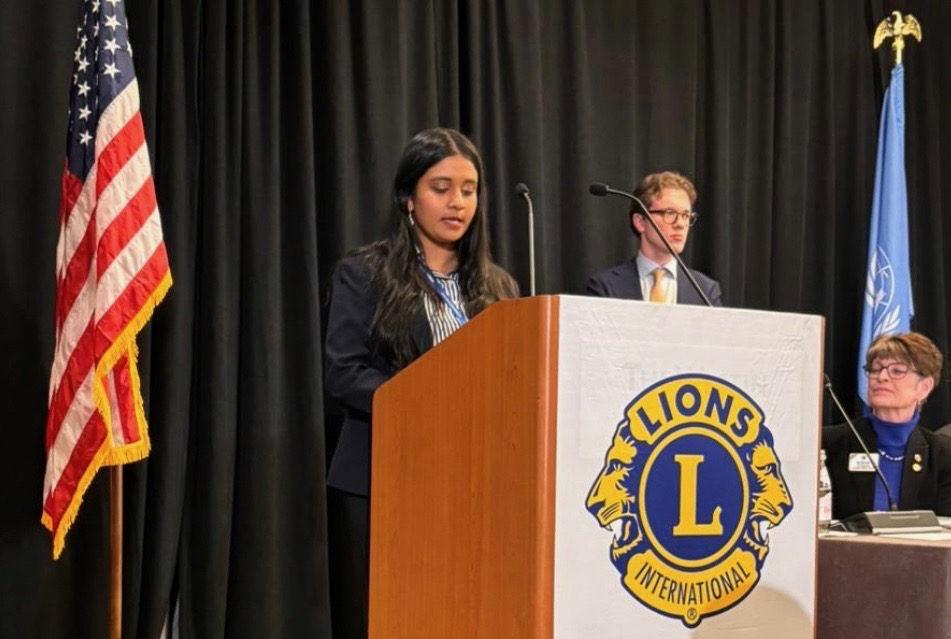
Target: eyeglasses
[
  {"x": 670, "y": 216},
  {"x": 895, "y": 370}
]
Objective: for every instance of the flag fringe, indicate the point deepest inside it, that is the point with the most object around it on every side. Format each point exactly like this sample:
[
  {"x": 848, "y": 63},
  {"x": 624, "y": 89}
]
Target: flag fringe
[
  {"x": 126, "y": 339},
  {"x": 69, "y": 515},
  {"x": 109, "y": 454}
]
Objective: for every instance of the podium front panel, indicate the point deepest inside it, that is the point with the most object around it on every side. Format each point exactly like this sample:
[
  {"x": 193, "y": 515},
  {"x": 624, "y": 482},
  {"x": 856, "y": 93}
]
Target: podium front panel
[{"x": 687, "y": 447}]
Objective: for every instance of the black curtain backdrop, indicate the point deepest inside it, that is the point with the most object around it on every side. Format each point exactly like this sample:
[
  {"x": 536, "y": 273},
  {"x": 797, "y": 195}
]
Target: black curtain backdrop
[{"x": 275, "y": 128}]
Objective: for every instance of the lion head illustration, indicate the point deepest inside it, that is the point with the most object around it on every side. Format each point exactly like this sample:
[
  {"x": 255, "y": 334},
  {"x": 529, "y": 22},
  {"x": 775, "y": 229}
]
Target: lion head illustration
[
  {"x": 770, "y": 500},
  {"x": 612, "y": 497}
]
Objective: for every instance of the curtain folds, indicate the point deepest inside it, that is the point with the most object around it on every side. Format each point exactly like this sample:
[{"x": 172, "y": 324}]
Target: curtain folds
[{"x": 274, "y": 129}]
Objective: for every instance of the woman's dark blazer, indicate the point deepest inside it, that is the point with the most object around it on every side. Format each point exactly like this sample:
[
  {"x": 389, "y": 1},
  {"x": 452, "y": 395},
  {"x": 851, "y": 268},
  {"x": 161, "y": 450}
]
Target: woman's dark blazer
[
  {"x": 354, "y": 370},
  {"x": 928, "y": 488}
]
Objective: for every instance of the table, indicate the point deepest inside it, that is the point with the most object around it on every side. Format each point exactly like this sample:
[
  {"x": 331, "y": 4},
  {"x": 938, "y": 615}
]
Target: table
[{"x": 872, "y": 586}]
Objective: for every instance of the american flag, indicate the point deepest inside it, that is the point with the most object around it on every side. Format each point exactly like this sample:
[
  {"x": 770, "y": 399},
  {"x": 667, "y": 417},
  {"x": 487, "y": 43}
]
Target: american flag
[{"x": 111, "y": 270}]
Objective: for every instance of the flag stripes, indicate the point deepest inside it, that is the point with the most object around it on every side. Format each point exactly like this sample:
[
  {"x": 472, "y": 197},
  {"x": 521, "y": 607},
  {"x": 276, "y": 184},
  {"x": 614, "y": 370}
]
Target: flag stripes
[{"x": 111, "y": 268}]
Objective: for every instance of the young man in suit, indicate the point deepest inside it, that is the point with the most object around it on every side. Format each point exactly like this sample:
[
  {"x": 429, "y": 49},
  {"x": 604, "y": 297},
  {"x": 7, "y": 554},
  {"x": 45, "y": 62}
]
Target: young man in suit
[{"x": 654, "y": 274}]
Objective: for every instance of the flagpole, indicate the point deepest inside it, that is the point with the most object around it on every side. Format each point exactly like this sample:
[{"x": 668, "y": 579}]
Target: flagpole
[
  {"x": 115, "y": 552},
  {"x": 889, "y": 305}
]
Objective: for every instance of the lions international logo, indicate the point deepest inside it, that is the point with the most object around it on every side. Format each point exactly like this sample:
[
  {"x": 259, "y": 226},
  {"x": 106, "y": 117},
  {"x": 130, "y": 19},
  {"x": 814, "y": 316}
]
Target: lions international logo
[{"x": 690, "y": 486}]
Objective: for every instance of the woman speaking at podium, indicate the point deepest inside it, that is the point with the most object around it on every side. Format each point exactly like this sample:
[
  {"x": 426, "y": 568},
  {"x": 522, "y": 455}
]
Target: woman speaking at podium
[
  {"x": 902, "y": 371},
  {"x": 391, "y": 301}
]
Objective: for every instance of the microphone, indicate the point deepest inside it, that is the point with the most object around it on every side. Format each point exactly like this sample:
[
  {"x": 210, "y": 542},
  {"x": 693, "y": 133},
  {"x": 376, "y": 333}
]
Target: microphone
[
  {"x": 877, "y": 522},
  {"x": 892, "y": 506},
  {"x": 522, "y": 190},
  {"x": 601, "y": 189}
]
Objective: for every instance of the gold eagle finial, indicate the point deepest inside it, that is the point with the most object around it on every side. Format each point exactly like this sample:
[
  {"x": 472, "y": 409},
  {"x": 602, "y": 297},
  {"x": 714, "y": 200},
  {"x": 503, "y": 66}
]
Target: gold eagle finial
[{"x": 897, "y": 27}]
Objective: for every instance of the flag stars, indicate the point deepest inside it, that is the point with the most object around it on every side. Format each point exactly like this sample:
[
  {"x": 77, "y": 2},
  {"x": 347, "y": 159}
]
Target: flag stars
[
  {"x": 111, "y": 46},
  {"x": 83, "y": 63},
  {"x": 85, "y": 138},
  {"x": 113, "y": 2},
  {"x": 111, "y": 70},
  {"x": 83, "y": 88},
  {"x": 112, "y": 22},
  {"x": 95, "y": 6},
  {"x": 84, "y": 113}
]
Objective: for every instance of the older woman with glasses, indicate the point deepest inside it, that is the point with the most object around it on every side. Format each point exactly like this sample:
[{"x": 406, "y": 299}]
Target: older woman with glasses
[{"x": 902, "y": 371}]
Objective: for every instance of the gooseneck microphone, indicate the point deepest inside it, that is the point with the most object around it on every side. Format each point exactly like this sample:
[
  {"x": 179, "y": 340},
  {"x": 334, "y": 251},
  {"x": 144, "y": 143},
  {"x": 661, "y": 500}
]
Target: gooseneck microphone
[
  {"x": 892, "y": 506},
  {"x": 522, "y": 190},
  {"x": 601, "y": 189}
]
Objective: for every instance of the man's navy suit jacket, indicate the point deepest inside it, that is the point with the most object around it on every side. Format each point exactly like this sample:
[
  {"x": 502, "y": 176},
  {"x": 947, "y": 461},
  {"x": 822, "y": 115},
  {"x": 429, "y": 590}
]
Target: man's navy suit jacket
[{"x": 624, "y": 282}]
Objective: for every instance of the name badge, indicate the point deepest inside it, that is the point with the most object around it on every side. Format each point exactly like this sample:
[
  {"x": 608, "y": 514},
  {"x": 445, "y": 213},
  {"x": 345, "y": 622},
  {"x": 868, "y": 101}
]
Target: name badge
[{"x": 860, "y": 463}]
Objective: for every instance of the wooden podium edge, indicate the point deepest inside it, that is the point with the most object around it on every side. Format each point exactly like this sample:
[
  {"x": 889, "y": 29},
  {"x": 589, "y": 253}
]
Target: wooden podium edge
[{"x": 463, "y": 443}]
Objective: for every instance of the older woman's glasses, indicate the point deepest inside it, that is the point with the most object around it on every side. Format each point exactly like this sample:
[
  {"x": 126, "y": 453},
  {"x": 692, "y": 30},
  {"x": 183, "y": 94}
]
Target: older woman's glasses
[
  {"x": 895, "y": 370},
  {"x": 670, "y": 216}
]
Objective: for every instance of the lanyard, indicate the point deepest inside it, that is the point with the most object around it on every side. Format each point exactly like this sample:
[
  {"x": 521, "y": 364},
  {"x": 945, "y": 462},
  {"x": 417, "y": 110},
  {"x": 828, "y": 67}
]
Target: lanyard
[{"x": 443, "y": 294}]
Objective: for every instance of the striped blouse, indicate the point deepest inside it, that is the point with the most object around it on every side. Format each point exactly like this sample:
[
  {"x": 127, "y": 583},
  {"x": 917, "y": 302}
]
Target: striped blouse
[{"x": 442, "y": 321}]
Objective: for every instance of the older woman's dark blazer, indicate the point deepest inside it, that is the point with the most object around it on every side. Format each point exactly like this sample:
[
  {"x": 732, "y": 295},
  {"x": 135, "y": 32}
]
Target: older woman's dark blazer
[
  {"x": 928, "y": 488},
  {"x": 354, "y": 371}
]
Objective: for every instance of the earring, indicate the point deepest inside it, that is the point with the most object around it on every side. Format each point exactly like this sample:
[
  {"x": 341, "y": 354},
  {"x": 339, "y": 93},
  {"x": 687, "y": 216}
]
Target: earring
[{"x": 409, "y": 216}]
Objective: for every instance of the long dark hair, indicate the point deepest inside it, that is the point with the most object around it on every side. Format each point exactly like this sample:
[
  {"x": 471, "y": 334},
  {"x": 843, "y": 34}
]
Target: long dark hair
[{"x": 393, "y": 263}]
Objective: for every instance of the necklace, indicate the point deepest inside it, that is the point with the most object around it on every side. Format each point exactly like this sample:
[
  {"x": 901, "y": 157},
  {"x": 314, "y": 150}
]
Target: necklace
[{"x": 889, "y": 457}]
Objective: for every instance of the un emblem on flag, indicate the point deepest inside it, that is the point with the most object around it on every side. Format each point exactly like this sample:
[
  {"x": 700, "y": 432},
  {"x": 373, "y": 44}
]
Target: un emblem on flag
[
  {"x": 880, "y": 294},
  {"x": 690, "y": 486}
]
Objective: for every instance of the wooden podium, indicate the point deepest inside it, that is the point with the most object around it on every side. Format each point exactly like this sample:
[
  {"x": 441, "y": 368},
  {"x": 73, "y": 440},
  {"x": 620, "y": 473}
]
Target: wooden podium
[{"x": 466, "y": 502}]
